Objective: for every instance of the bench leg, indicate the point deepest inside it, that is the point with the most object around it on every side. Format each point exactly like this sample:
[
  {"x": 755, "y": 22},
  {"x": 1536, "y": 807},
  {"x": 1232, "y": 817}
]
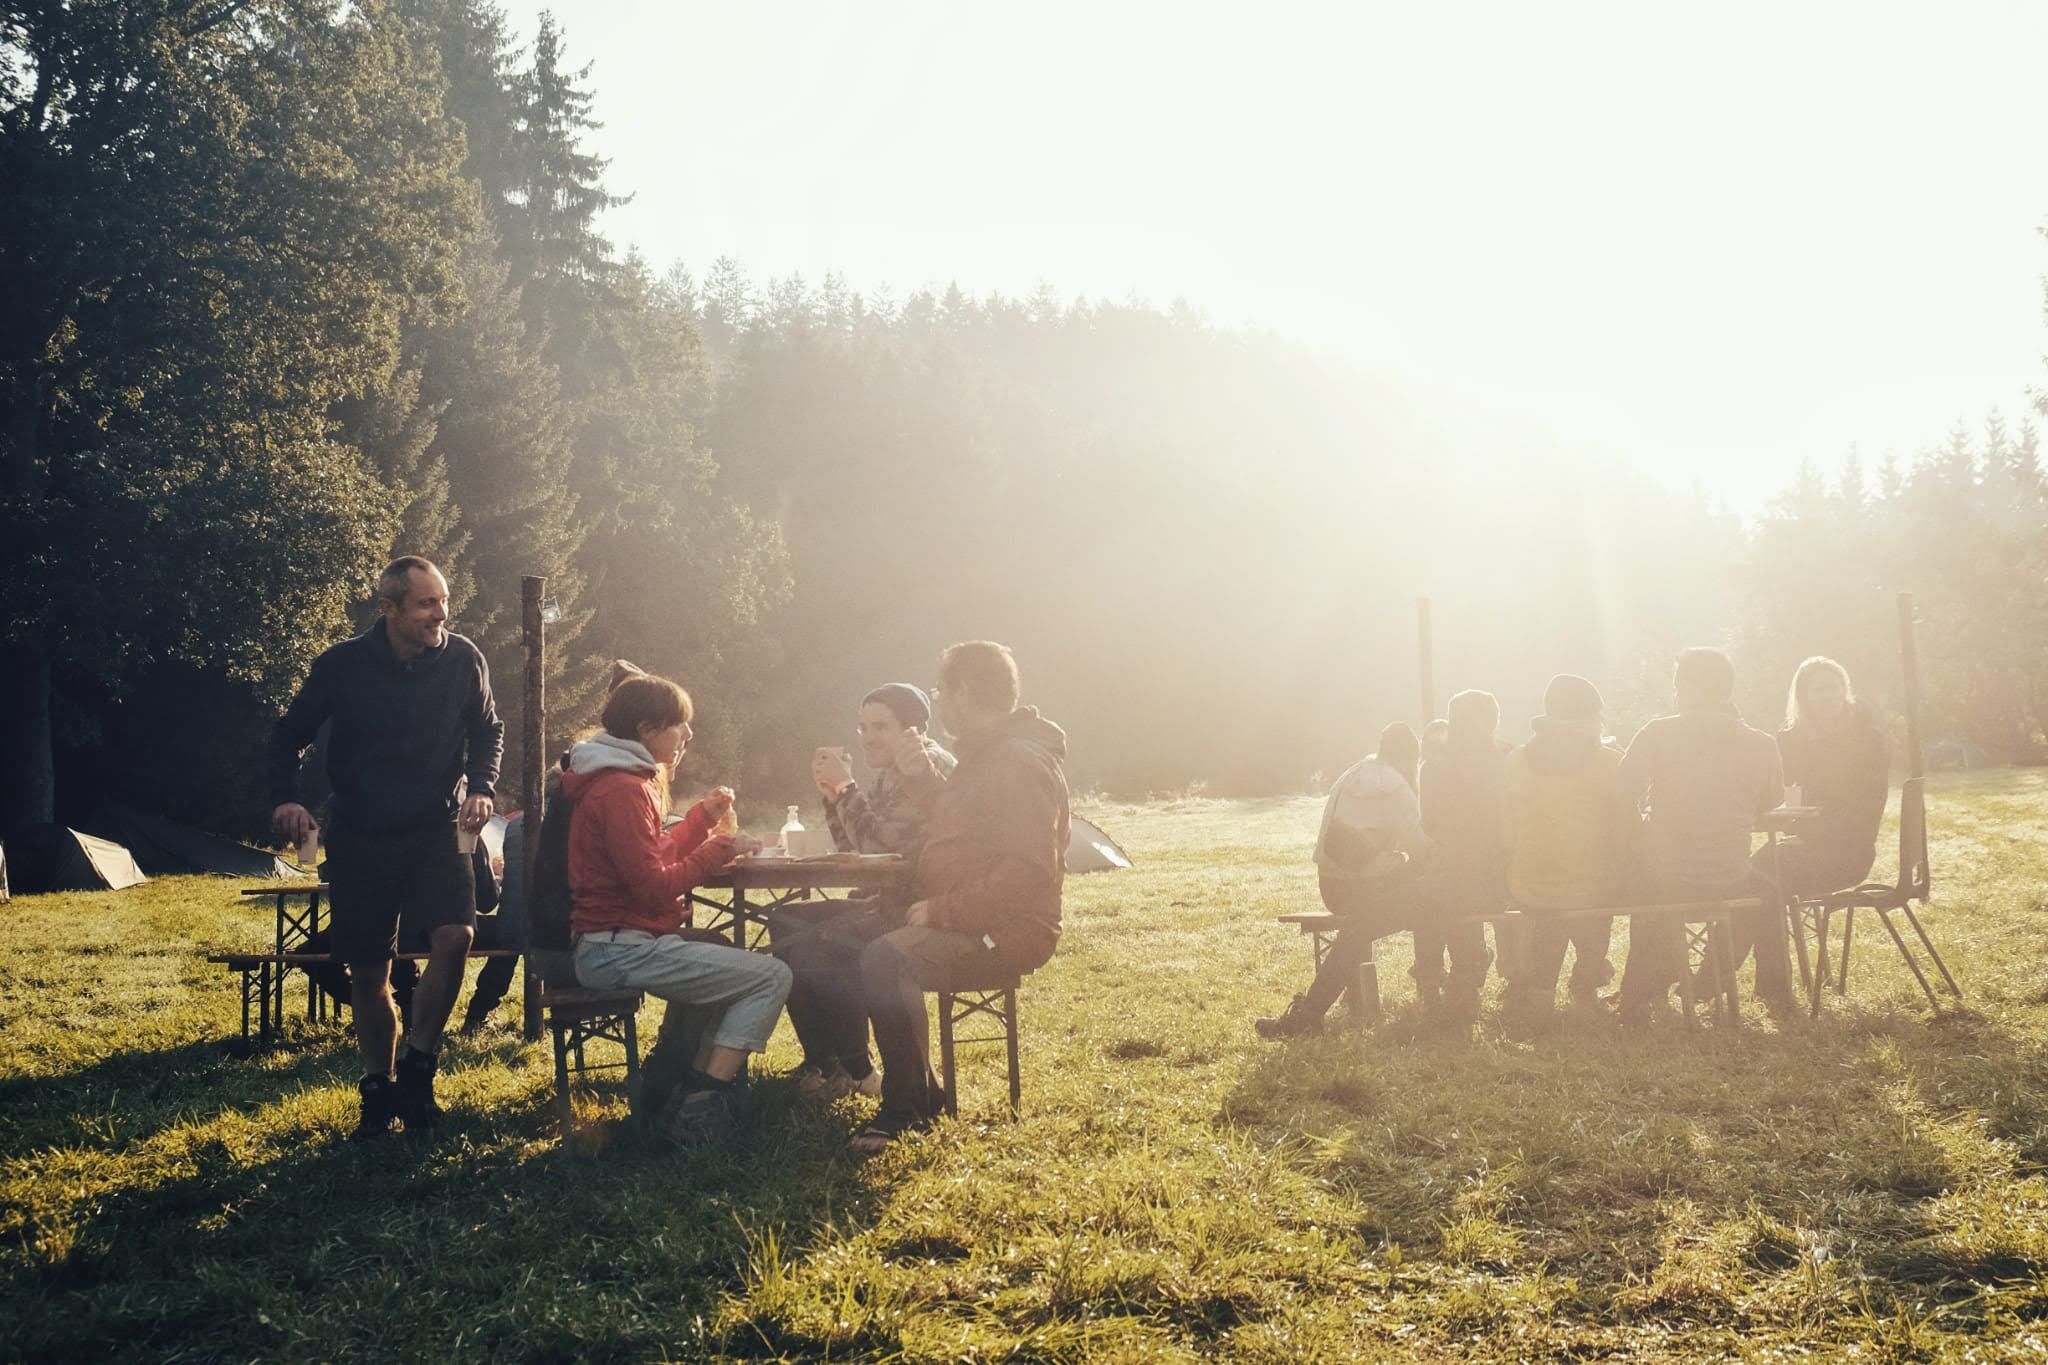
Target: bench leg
[
  {"x": 1729, "y": 1001},
  {"x": 263, "y": 1006},
  {"x": 568, "y": 1110},
  {"x": 946, "y": 1077},
  {"x": 1010, "y": 1030},
  {"x": 1685, "y": 979}
]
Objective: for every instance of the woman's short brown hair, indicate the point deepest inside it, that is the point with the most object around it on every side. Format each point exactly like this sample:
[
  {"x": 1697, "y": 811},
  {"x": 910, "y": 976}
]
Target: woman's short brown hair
[{"x": 645, "y": 700}]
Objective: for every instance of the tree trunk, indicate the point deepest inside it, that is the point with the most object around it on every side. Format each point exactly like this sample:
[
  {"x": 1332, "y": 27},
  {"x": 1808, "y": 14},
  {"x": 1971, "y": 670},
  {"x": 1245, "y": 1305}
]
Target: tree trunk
[
  {"x": 28, "y": 773},
  {"x": 28, "y": 766}
]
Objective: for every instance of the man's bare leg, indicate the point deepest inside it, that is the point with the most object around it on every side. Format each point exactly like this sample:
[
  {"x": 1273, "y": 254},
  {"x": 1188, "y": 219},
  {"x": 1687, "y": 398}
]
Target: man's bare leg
[
  {"x": 441, "y": 981},
  {"x": 377, "y": 1039},
  {"x": 431, "y": 1002},
  {"x": 369, "y": 985}
]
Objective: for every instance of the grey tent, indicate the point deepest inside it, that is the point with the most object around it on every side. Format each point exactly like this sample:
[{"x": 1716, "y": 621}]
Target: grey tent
[
  {"x": 53, "y": 858},
  {"x": 162, "y": 846},
  {"x": 1090, "y": 850}
]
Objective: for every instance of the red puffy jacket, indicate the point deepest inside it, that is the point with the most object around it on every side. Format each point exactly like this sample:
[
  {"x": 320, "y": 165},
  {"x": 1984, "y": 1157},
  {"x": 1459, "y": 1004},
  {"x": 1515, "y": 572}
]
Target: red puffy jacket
[{"x": 625, "y": 871}]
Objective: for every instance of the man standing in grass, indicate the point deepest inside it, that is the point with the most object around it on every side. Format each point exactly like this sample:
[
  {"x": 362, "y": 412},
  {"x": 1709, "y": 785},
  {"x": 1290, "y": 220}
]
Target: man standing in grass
[
  {"x": 413, "y": 728},
  {"x": 1705, "y": 778},
  {"x": 988, "y": 879}
]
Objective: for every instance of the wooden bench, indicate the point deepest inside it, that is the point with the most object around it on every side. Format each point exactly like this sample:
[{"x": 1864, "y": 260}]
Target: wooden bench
[
  {"x": 259, "y": 970},
  {"x": 1697, "y": 918},
  {"x": 577, "y": 1016},
  {"x": 986, "y": 997},
  {"x": 1322, "y": 927}
]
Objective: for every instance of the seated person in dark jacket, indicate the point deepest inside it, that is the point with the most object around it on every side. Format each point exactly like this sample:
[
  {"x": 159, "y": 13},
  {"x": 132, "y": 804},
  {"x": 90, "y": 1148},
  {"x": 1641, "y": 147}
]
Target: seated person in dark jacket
[
  {"x": 1703, "y": 779},
  {"x": 823, "y": 948},
  {"x": 987, "y": 881},
  {"x": 1834, "y": 752}
]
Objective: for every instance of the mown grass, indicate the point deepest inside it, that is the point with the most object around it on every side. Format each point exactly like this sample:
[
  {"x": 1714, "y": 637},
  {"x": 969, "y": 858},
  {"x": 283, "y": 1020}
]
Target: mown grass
[{"x": 1876, "y": 1184}]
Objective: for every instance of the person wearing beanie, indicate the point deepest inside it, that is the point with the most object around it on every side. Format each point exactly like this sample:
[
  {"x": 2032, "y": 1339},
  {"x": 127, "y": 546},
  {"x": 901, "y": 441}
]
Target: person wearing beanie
[
  {"x": 1569, "y": 844},
  {"x": 825, "y": 1006}
]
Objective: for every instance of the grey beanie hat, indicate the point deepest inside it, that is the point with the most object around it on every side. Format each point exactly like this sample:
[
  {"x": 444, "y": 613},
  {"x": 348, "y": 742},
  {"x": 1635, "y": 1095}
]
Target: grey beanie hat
[{"x": 907, "y": 700}]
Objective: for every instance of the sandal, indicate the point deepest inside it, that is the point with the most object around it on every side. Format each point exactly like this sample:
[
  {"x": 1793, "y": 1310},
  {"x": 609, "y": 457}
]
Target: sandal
[{"x": 887, "y": 1127}]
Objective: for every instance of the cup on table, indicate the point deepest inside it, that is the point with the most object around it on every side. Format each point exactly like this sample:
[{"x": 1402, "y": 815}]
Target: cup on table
[{"x": 1794, "y": 797}]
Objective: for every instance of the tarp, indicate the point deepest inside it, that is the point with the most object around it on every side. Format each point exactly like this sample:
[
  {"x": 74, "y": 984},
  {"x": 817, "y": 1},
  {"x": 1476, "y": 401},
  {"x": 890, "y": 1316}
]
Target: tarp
[
  {"x": 1090, "y": 850},
  {"x": 164, "y": 847},
  {"x": 53, "y": 858}
]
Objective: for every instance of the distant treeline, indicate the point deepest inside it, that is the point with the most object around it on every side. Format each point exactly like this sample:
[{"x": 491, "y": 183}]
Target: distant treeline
[{"x": 287, "y": 289}]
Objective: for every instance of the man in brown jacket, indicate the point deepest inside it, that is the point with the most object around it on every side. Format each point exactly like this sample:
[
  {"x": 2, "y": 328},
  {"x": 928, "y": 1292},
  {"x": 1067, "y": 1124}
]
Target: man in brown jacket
[
  {"x": 987, "y": 881},
  {"x": 1704, "y": 779}
]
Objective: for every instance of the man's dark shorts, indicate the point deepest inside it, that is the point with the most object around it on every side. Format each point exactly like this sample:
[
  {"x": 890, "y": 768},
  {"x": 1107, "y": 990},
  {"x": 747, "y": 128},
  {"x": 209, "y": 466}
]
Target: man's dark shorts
[{"x": 414, "y": 880}]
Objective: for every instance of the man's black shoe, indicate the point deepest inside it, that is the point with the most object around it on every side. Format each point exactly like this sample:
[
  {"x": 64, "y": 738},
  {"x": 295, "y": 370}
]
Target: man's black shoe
[
  {"x": 415, "y": 1091},
  {"x": 379, "y": 1112}
]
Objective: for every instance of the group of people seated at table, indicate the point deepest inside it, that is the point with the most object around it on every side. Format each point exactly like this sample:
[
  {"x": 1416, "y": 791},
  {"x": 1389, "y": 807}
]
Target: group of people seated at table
[
  {"x": 984, "y": 836},
  {"x": 1424, "y": 836}
]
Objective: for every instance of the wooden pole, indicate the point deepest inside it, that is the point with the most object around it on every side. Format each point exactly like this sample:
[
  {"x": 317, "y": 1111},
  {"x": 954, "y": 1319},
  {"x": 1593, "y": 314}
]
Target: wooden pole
[
  {"x": 533, "y": 764},
  {"x": 1425, "y": 648},
  {"x": 1909, "y": 663}
]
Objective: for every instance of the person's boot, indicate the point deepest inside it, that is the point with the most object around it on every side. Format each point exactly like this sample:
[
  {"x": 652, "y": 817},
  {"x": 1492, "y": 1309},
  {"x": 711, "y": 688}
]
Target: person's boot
[
  {"x": 662, "y": 1072},
  {"x": 379, "y": 1112},
  {"x": 415, "y": 1091},
  {"x": 1297, "y": 1021}
]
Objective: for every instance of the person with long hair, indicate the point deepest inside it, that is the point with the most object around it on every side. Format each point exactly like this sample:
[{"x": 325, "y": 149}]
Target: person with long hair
[
  {"x": 1366, "y": 850},
  {"x": 1834, "y": 751},
  {"x": 626, "y": 874}
]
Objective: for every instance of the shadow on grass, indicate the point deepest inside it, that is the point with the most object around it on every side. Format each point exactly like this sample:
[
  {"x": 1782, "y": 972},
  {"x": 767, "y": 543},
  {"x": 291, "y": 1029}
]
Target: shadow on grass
[
  {"x": 127, "y": 1097},
  {"x": 539, "y": 1247},
  {"x": 1680, "y": 1172}
]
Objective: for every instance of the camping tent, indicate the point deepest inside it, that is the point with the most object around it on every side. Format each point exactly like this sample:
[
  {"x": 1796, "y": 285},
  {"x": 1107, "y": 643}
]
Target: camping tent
[
  {"x": 1090, "y": 850},
  {"x": 53, "y": 858},
  {"x": 164, "y": 846}
]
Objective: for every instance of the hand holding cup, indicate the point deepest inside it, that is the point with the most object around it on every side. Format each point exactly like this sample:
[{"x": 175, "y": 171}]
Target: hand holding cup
[
  {"x": 911, "y": 758},
  {"x": 832, "y": 770}
]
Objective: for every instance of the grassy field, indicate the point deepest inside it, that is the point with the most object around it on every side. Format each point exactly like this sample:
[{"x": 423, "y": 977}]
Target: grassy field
[{"x": 1875, "y": 1185}]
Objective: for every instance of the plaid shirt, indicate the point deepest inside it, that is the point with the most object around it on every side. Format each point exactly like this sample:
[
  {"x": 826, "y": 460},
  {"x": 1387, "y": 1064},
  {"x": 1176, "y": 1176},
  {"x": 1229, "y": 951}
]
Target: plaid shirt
[{"x": 882, "y": 818}]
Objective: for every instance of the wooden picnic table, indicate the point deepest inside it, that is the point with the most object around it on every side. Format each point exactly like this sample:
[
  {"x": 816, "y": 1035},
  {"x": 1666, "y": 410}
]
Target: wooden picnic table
[{"x": 755, "y": 888}]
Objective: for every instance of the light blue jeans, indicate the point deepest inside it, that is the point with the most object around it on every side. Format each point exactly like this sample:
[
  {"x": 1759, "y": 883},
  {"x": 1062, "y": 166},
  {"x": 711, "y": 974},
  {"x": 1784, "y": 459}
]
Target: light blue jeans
[{"x": 740, "y": 993}]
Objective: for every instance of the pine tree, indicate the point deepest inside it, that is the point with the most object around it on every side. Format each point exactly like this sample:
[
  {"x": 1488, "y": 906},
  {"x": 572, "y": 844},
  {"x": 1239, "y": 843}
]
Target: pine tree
[{"x": 219, "y": 218}]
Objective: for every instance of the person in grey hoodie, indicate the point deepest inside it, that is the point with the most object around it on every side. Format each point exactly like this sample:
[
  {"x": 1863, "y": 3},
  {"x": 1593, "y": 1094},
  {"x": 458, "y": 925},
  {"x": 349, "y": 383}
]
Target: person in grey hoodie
[
  {"x": 1703, "y": 779},
  {"x": 1367, "y": 853}
]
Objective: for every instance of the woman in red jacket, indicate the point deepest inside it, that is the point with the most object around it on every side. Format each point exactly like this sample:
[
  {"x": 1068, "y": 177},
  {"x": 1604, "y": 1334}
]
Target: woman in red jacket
[{"x": 625, "y": 877}]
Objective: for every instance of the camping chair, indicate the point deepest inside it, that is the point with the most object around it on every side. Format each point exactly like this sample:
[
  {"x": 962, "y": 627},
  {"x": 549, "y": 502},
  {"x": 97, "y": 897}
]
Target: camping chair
[{"x": 1914, "y": 884}]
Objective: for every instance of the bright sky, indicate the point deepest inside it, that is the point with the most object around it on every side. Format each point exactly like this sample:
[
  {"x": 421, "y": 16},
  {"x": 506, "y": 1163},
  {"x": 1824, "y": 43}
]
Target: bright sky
[{"x": 1712, "y": 238}]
